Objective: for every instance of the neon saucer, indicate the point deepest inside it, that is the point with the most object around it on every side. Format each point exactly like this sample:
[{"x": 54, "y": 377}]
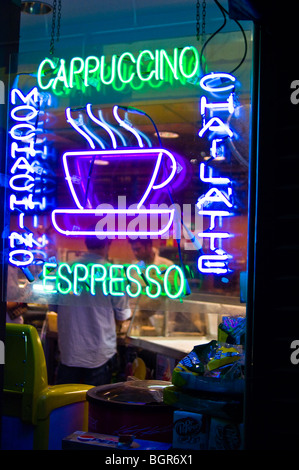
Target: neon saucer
[{"x": 114, "y": 222}]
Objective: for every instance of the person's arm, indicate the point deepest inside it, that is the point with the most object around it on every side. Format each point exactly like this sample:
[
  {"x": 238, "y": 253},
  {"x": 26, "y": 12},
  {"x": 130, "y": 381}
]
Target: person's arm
[
  {"x": 122, "y": 312},
  {"x": 15, "y": 309},
  {"x": 121, "y": 307}
]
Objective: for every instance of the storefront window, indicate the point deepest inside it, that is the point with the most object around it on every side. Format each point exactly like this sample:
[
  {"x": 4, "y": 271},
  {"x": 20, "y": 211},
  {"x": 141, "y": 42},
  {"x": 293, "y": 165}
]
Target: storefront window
[{"x": 144, "y": 141}]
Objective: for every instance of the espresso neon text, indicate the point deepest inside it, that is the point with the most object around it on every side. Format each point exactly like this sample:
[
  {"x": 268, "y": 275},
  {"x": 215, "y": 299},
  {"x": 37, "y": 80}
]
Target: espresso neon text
[{"x": 114, "y": 279}]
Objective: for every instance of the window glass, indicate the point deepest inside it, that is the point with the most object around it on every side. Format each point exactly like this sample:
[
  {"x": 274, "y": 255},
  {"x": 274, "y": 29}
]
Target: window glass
[{"x": 133, "y": 139}]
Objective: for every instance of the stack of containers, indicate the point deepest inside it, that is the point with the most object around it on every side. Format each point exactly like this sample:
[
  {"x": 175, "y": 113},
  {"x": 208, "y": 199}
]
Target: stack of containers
[{"x": 207, "y": 392}]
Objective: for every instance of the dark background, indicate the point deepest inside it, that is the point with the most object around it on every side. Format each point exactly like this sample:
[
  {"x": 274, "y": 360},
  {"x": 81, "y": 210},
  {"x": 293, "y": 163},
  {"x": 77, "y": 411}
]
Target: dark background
[{"x": 271, "y": 399}]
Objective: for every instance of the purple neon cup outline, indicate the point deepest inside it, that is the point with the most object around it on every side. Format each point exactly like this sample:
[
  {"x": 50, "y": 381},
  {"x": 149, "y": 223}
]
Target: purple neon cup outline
[{"x": 118, "y": 153}]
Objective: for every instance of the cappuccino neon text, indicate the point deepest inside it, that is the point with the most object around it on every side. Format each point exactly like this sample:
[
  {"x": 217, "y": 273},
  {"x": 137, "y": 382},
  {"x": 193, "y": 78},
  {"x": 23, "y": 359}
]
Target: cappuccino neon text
[{"x": 145, "y": 66}]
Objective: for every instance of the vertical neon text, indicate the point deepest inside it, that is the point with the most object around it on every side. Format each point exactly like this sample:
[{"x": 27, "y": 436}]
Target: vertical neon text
[
  {"x": 27, "y": 175},
  {"x": 216, "y": 202}
]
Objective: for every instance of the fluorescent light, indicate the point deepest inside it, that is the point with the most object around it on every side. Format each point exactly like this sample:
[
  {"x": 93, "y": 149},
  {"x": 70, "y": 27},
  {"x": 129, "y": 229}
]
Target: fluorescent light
[
  {"x": 167, "y": 135},
  {"x": 36, "y": 8},
  {"x": 101, "y": 162}
]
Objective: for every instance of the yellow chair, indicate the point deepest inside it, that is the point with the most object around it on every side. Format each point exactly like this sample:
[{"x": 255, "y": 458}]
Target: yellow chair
[{"x": 35, "y": 415}]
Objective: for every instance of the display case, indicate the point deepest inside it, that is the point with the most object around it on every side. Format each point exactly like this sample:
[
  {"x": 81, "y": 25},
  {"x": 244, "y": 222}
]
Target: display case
[{"x": 177, "y": 325}]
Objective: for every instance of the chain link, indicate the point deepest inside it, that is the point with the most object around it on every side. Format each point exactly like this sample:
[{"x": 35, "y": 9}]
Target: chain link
[
  {"x": 53, "y": 27},
  {"x": 54, "y": 18},
  {"x": 203, "y": 27},
  {"x": 58, "y": 21},
  {"x": 197, "y": 20},
  {"x": 203, "y": 20}
]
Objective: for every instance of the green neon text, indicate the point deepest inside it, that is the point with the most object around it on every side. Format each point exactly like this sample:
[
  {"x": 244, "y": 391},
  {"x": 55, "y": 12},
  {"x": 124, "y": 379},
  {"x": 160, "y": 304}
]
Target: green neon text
[
  {"x": 148, "y": 66},
  {"x": 114, "y": 279}
]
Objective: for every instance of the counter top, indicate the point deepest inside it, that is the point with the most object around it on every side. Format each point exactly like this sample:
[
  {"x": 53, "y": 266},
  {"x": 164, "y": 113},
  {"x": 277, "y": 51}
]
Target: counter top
[{"x": 175, "y": 347}]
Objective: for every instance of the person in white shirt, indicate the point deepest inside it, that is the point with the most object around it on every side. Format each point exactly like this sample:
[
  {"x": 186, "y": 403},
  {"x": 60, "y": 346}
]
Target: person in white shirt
[
  {"x": 144, "y": 251},
  {"x": 146, "y": 254},
  {"x": 87, "y": 336}
]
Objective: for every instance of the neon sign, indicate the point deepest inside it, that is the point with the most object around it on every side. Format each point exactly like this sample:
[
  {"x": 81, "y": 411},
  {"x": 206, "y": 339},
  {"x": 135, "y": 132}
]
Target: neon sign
[
  {"x": 77, "y": 221},
  {"x": 216, "y": 203},
  {"x": 146, "y": 66},
  {"x": 30, "y": 180},
  {"x": 113, "y": 279}
]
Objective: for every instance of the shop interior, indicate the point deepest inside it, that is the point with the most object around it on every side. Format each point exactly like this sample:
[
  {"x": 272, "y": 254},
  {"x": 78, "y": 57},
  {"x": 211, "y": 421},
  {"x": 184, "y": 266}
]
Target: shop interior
[{"x": 171, "y": 119}]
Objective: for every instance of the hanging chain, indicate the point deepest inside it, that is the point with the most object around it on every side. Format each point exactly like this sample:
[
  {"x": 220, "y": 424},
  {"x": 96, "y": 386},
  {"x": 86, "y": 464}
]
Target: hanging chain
[
  {"x": 58, "y": 21},
  {"x": 54, "y": 17},
  {"x": 53, "y": 27},
  {"x": 197, "y": 20},
  {"x": 203, "y": 29}
]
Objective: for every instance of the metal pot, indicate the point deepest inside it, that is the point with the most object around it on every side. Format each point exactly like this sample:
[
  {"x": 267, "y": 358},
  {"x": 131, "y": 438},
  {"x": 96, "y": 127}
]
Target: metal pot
[{"x": 134, "y": 407}]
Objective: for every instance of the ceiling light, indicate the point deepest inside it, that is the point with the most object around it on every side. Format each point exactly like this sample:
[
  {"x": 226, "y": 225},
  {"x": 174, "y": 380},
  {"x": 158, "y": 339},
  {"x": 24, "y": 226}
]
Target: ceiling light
[
  {"x": 101, "y": 162},
  {"x": 168, "y": 135},
  {"x": 218, "y": 158},
  {"x": 36, "y": 8}
]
